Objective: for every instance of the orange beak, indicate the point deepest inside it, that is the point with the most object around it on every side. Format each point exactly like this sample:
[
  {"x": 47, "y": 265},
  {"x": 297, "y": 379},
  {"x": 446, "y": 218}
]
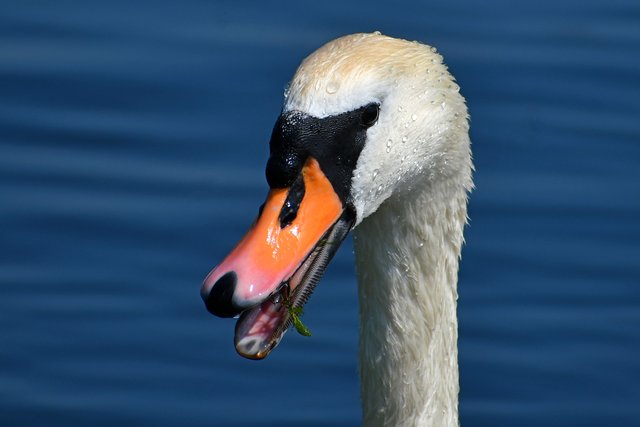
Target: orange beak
[{"x": 275, "y": 265}]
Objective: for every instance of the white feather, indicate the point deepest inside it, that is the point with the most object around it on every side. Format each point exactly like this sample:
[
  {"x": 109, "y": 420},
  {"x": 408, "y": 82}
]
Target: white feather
[{"x": 410, "y": 192}]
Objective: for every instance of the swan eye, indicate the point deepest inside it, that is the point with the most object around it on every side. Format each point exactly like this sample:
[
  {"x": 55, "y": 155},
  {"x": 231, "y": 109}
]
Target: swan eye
[{"x": 370, "y": 114}]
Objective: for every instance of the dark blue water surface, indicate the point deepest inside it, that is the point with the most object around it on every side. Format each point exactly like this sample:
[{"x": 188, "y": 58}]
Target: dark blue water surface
[{"x": 133, "y": 138}]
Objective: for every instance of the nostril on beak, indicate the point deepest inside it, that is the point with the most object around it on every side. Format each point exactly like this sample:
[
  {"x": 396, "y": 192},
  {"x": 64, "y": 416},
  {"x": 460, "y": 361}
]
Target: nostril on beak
[{"x": 220, "y": 300}]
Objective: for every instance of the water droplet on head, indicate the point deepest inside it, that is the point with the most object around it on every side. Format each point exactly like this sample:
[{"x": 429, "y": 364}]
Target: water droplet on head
[
  {"x": 377, "y": 33},
  {"x": 414, "y": 117},
  {"x": 404, "y": 139},
  {"x": 400, "y": 109},
  {"x": 433, "y": 49},
  {"x": 375, "y": 173},
  {"x": 332, "y": 87},
  {"x": 443, "y": 105}
]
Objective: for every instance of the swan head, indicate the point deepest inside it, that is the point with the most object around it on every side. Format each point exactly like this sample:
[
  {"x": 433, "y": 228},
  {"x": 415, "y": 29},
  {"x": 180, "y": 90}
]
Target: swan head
[
  {"x": 366, "y": 118},
  {"x": 421, "y": 133}
]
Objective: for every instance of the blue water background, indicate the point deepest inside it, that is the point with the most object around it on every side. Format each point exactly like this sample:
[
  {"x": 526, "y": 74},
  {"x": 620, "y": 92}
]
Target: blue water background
[{"x": 133, "y": 138}]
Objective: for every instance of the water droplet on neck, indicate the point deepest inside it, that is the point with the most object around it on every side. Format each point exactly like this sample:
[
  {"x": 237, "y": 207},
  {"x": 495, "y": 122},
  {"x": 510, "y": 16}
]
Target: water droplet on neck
[
  {"x": 404, "y": 139},
  {"x": 332, "y": 87},
  {"x": 375, "y": 173},
  {"x": 433, "y": 49},
  {"x": 400, "y": 109},
  {"x": 414, "y": 117},
  {"x": 377, "y": 33}
]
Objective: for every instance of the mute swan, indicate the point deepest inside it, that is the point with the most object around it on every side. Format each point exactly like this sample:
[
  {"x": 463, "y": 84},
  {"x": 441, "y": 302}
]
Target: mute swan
[{"x": 373, "y": 136}]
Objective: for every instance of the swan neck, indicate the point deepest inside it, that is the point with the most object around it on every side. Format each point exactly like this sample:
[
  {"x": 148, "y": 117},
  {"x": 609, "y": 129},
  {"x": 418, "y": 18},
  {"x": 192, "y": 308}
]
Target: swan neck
[{"x": 407, "y": 261}]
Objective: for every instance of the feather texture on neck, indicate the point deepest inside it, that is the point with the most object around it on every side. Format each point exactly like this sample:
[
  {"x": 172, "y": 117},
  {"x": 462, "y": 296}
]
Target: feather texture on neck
[{"x": 407, "y": 261}]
